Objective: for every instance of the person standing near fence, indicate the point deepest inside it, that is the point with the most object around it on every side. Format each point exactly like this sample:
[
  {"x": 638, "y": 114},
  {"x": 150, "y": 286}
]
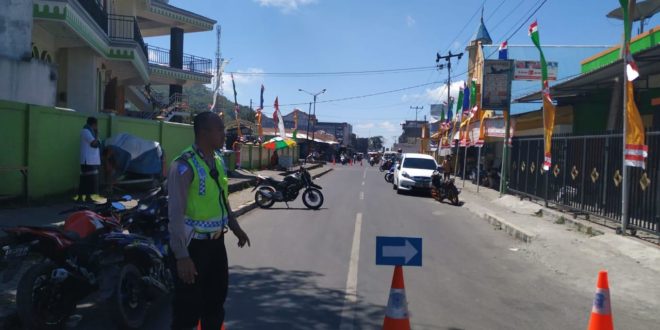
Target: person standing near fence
[{"x": 90, "y": 160}]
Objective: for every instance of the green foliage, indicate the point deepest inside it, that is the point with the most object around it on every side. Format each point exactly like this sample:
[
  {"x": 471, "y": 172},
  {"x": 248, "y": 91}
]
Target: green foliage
[{"x": 376, "y": 142}]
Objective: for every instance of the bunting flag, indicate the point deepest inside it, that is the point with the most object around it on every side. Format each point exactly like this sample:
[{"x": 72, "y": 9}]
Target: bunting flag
[
  {"x": 466, "y": 99},
  {"x": 260, "y": 130},
  {"x": 295, "y": 123},
  {"x": 261, "y": 97},
  {"x": 504, "y": 51},
  {"x": 277, "y": 106},
  {"x": 236, "y": 109},
  {"x": 280, "y": 121},
  {"x": 635, "y": 150},
  {"x": 449, "y": 112},
  {"x": 459, "y": 104},
  {"x": 548, "y": 107}
]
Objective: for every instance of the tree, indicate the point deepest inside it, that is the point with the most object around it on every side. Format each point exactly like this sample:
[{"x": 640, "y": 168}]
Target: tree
[{"x": 376, "y": 142}]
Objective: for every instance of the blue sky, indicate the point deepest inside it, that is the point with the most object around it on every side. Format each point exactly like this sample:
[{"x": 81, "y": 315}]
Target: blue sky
[{"x": 341, "y": 35}]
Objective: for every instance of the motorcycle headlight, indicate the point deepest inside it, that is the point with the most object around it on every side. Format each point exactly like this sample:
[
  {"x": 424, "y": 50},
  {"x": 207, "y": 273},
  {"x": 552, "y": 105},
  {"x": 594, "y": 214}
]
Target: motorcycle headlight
[{"x": 405, "y": 174}]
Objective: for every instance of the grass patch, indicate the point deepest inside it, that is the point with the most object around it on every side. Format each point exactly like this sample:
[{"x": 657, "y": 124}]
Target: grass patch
[{"x": 560, "y": 221}]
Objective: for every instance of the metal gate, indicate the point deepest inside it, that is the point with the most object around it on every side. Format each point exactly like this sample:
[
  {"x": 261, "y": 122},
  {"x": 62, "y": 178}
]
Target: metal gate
[{"x": 585, "y": 177}]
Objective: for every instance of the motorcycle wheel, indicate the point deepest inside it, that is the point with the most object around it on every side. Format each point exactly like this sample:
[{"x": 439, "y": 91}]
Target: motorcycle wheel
[
  {"x": 453, "y": 198},
  {"x": 263, "y": 201},
  {"x": 42, "y": 304},
  {"x": 312, "y": 198},
  {"x": 129, "y": 303}
]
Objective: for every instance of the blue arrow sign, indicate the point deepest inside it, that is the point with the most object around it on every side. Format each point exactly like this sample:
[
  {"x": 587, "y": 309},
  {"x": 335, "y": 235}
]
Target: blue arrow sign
[{"x": 404, "y": 251}]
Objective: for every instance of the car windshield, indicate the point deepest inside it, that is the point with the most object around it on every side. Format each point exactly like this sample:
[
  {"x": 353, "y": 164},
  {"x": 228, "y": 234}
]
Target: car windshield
[{"x": 419, "y": 163}]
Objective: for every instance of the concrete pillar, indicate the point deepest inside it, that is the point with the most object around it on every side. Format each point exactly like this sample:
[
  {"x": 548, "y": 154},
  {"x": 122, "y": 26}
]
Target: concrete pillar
[
  {"x": 15, "y": 29},
  {"x": 81, "y": 80},
  {"x": 614, "y": 121},
  {"x": 176, "y": 55}
]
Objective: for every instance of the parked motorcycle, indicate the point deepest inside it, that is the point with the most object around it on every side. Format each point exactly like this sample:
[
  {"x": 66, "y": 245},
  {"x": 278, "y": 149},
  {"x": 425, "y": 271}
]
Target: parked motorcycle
[
  {"x": 76, "y": 261},
  {"x": 146, "y": 273},
  {"x": 270, "y": 190},
  {"x": 442, "y": 189}
]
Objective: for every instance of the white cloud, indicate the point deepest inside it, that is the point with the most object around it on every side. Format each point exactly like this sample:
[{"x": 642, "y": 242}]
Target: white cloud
[
  {"x": 365, "y": 126},
  {"x": 439, "y": 94},
  {"x": 243, "y": 81},
  {"x": 285, "y": 5},
  {"x": 411, "y": 97},
  {"x": 410, "y": 21},
  {"x": 389, "y": 127}
]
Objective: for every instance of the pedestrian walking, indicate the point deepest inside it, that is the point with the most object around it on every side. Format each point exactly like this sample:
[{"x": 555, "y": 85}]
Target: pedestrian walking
[
  {"x": 90, "y": 160},
  {"x": 200, "y": 215},
  {"x": 446, "y": 167}
]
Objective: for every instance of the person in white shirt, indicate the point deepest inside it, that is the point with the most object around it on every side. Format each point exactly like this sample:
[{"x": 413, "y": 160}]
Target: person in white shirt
[{"x": 90, "y": 160}]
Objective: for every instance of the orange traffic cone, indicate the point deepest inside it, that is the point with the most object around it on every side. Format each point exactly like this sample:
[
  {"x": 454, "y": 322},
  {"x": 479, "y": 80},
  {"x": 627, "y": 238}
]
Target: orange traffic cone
[
  {"x": 199, "y": 326},
  {"x": 601, "y": 312},
  {"x": 396, "y": 315}
]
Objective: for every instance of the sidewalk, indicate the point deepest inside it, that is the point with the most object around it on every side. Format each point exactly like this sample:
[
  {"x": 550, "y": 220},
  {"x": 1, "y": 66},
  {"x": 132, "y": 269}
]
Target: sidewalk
[
  {"x": 48, "y": 214},
  {"x": 572, "y": 249}
]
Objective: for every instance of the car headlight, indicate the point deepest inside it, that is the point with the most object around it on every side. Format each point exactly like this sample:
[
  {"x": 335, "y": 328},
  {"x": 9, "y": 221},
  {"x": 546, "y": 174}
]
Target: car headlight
[{"x": 405, "y": 174}]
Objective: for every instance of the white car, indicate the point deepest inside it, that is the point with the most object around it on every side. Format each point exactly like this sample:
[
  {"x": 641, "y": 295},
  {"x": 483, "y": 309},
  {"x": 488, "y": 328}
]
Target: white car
[{"x": 414, "y": 172}]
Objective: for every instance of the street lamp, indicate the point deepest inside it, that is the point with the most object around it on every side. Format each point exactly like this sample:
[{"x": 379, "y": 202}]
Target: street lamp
[{"x": 314, "y": 111}]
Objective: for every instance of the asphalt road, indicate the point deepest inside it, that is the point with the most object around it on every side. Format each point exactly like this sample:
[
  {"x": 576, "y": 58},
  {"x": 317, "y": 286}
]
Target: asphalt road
[{"x": 310, "y": 270}]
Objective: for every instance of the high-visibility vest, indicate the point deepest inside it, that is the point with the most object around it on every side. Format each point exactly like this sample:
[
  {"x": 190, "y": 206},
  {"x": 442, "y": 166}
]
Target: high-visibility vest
[{"x": 204, "y": 210}]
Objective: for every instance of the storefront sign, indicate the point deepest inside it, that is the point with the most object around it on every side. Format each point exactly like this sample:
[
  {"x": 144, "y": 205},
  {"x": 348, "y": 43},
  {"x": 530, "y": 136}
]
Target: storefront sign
[{"x": 531, "y": 70}]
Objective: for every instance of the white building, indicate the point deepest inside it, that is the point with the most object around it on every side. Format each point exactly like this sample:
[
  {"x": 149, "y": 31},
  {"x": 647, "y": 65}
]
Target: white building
[{"x": 96, "y": 55}]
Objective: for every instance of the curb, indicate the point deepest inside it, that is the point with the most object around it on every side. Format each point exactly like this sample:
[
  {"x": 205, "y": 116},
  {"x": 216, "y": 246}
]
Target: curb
[
  {"x": 242, "y": 185},
  {"x": 245, "y": 208},
  {"x": 508, "y": 228}
]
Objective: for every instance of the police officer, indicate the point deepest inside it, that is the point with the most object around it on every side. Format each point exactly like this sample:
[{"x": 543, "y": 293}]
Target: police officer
[{"x": 199, "y": 214}]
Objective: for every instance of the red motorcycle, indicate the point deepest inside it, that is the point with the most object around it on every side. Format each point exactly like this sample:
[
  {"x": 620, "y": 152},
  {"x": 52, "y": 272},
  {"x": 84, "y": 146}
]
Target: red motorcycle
[{"x": 74, "y": 263}]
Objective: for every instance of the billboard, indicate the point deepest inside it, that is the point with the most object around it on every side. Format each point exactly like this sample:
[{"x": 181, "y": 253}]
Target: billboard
[
  {"x": 496, "y": 88},
  {"x": 531, "y": 70}
]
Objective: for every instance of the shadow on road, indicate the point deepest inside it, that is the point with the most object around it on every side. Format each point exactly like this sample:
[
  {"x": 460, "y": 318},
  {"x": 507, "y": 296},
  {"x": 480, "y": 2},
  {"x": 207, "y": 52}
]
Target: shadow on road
[
  {"x": 296, "y": 208},
  {"x": 270, "y": 298}
]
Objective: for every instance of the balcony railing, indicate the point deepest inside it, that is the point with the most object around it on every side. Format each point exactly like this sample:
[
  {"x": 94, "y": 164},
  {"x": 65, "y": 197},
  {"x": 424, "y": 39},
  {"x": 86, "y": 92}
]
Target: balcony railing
[
  {"x": 125, "y": 28},
  {"x": 95, "y": 10},
  {"x": 191, "y": 63}
]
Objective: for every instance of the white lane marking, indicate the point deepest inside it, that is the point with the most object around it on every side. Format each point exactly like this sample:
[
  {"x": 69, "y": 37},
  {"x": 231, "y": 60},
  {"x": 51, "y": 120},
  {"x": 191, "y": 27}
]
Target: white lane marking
[
  {"x": 361, "y": 194},
  {"x": 363, "y": 183},
  {"x": 364, "y": 176},
  {"x": 350, "y": 296}
]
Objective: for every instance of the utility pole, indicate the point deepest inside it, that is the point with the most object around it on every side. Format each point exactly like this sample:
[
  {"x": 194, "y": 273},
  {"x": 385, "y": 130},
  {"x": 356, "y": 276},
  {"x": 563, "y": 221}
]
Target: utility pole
[
  {"x": 447, "y": 59},
  {"x": 417, "y": 110}
]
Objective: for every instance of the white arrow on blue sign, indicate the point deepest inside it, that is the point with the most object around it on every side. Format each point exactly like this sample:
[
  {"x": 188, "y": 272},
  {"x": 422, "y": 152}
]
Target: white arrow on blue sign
[{"x": 395, "y": 251}]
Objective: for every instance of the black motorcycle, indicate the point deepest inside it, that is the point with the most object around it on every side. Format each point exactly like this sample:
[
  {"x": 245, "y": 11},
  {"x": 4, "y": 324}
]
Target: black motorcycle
[
  {"x": 146, "y": 273},
  {"x": 269, "y": 190},
  {"x": 442, "y": 189}
]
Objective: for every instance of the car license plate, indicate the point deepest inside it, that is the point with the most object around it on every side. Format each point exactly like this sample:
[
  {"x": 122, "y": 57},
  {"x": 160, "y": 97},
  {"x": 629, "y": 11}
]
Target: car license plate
[{"x": 421, "y": 184}]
